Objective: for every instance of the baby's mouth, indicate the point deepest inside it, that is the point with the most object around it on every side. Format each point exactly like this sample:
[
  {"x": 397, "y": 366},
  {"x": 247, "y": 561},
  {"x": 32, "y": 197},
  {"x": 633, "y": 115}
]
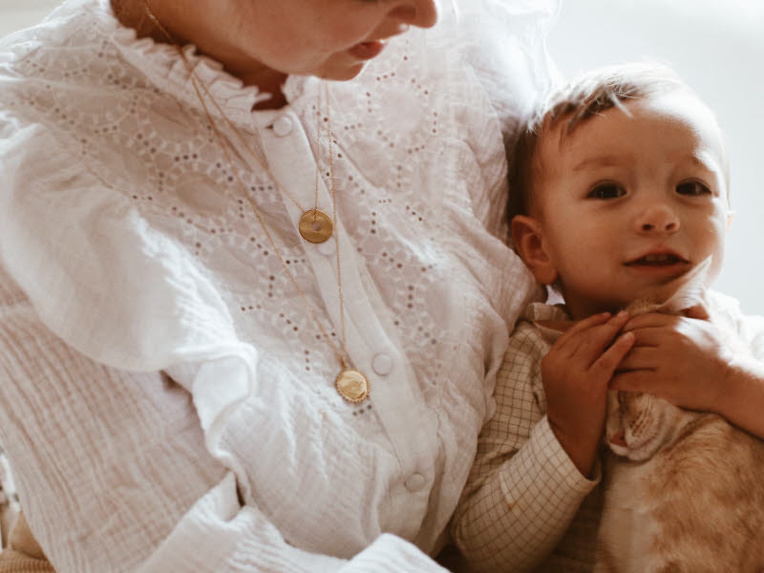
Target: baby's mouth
[{"x": 658, "y": 260}]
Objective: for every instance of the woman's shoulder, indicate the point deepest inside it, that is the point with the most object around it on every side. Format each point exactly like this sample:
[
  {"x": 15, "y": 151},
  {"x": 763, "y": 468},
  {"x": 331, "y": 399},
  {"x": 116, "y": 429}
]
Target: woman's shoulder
[
  {"x": 54, "y": 47},
  {"x": 55, "y": 75}
]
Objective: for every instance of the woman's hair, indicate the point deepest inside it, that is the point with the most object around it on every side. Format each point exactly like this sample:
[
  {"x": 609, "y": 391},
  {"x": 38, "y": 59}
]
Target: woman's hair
[{"x": 592, "y": 94}]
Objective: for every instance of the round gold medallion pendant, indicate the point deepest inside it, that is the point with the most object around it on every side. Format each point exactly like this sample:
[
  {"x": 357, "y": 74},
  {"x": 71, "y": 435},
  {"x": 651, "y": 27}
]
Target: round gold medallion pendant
[
  {"x": 352, "y": 386},
  {"x": 316, "y": 226}
]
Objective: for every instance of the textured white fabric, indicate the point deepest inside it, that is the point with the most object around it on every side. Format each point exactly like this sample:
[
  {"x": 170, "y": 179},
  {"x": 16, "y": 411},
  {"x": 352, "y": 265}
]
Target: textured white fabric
[
  {"x": 526, "y": 506},
  {"x": 158, "y": 366}
]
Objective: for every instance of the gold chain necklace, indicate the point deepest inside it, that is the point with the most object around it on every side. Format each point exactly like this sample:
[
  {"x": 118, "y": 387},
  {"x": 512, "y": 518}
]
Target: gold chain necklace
[
  {"x": 350, "y": 383},
  {"x": 315, "y": 225}
]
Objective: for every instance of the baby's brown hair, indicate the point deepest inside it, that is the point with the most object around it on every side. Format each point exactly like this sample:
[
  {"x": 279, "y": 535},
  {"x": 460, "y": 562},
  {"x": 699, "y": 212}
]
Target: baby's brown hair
[{"x": 589, "y": 96}]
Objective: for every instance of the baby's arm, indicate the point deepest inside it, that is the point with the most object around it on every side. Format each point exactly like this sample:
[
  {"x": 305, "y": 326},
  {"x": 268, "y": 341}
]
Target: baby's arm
[
  {"x": 688, "y": 361},
  {"x": 576, "y": 373},
  {"x": 524, "y": 489}
]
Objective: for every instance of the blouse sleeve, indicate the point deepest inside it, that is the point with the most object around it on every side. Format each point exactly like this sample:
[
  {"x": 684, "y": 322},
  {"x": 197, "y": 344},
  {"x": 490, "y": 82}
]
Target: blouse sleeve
[
  {"x": 220, "y": 535},
  {"x": 505, "y": 43},
  {"x": 502, "y": 44},
  {"x": 523, "y": 490},
  {"x": 750, "y": 328},
  {"x": 113, "y": 473}
]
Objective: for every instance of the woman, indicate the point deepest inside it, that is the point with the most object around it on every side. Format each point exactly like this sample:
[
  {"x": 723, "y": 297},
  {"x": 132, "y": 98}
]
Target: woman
[{"x": 251, "y": 318}]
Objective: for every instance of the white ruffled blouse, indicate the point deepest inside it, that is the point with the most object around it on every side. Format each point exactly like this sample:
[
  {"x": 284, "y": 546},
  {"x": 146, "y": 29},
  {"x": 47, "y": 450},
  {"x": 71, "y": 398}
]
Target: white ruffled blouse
[{"x": 167, "y": 399}]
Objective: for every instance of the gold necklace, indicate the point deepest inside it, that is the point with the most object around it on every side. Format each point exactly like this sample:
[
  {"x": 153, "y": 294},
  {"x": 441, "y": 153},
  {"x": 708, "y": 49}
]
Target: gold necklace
[
  {"x": 350, "y": 383},
  {"x": 314, "y": 225}
]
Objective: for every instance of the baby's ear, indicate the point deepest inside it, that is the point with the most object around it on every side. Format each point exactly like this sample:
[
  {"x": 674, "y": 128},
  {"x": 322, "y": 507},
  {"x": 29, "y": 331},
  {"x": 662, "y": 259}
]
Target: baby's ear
[{"x": 528, "y": 239}]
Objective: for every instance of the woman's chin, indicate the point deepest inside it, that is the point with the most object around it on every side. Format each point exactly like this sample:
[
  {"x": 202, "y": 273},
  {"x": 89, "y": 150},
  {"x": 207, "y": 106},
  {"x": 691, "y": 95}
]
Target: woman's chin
[{"x": 342, "y": 74}]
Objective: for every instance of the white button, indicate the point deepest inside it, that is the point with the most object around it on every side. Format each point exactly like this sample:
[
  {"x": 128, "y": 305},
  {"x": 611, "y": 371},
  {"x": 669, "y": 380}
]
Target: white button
[
  {"x": 282, "y": 126},
  {"x": 382, "y": 364},
  {"x": 415, "y": 482},
  {"x": 327, "y": 248}
]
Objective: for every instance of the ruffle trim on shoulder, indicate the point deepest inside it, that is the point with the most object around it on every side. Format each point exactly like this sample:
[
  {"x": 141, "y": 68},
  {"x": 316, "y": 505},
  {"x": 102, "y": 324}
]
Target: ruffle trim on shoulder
[{"x": 164, "y": 67}]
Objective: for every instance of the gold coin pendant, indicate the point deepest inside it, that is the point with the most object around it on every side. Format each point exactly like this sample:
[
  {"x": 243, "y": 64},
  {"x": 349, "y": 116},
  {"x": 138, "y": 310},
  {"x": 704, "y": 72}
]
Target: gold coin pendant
[
  {"x": 316, "y": 226},
  {"x": 352, "y": 386}
]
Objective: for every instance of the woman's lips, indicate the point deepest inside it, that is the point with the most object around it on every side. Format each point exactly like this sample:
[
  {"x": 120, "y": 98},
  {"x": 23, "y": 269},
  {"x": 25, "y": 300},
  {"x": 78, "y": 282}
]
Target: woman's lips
[{"x": 367, "y": 50}]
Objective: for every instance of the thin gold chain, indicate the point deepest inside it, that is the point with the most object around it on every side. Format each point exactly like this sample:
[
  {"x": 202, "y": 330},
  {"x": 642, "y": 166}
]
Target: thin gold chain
[
  {"x": 230, "y": 124},
  {"x": 341, "y": 353},
  {"x": 330, "y": 138}
]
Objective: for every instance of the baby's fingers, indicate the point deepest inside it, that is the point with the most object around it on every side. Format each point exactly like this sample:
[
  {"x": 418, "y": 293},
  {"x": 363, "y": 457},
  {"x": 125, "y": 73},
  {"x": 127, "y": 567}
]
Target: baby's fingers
[
  {"x": 589, "y": 339},
  {"x": 582, "y": 325},
  {"x": 609, "y": 361}
]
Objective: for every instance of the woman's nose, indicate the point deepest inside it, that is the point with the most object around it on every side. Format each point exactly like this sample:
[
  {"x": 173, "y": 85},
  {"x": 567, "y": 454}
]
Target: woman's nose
[
  {"x": 419, "y": 13},
  {"x": 657, "y": 218}
]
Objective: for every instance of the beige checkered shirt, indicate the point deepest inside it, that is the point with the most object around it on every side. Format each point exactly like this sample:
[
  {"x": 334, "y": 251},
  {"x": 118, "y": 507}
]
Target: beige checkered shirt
[{"x": 526, "y": 506}]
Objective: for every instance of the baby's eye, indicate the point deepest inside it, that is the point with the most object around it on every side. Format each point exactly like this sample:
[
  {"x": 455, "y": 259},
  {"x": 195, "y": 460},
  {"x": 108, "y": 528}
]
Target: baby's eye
[
  {"x": 607, "y": 191},
  {"x": 693, "y": 188}
]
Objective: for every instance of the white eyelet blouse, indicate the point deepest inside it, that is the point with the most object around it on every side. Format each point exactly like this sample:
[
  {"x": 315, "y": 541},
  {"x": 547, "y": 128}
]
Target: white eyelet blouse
[{"x": 167, "y": 401}]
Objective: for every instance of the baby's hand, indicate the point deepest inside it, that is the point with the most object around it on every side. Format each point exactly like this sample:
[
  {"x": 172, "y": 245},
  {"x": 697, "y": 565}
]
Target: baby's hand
[
  {"x": 576, "y": 373},
  {"x": 681, "y": 359}
]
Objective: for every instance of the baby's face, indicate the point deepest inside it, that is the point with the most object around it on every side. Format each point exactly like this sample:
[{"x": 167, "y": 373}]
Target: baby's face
[{"x": 629, "y": 202}]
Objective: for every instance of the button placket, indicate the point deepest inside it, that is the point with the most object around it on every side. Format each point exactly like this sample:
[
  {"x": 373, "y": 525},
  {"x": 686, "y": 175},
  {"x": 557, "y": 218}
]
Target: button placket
[
  {"x": 368, "y": 332},
  {"x": 328, "y": 248}
]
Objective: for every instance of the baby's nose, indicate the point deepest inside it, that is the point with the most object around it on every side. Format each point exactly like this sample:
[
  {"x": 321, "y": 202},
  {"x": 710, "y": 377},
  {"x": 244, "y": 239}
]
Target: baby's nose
[{"x": 658, "y": 218}]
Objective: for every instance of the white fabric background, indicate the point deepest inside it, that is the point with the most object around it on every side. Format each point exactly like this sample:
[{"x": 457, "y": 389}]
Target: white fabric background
[{"x": 716, "y": 46}]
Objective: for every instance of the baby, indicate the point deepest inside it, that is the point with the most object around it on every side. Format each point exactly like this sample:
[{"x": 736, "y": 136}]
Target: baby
[{"x": 619, "y": 187}]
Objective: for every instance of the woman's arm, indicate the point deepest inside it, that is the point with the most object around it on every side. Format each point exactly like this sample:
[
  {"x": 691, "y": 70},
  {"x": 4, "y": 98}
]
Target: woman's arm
[
  {"x": 217, "y": 534},
  {"x": 714, "y": 365},
  {"x": 114, "y": 475},
  {"x": 742, "y": 400}
]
